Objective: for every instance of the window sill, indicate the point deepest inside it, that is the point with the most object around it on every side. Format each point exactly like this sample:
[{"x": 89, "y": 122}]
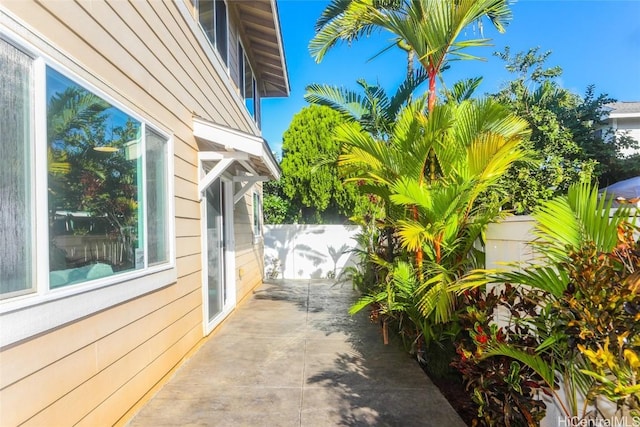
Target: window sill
[{"x": 26, "y": 316}]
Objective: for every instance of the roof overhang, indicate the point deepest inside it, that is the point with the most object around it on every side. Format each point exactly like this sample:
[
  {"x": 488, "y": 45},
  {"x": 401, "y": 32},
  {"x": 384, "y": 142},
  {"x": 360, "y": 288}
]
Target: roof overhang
[
  {"x": 623, "y": 110},
  {"x": 624, "y": 115},
  {"x": 260, "y": 25},
  {"x": 250, "y": 151}
]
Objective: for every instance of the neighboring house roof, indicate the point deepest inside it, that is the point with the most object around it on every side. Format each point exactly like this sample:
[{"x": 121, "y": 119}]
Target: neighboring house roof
[
  {"x": 624, "y": 109},
  {"x": 261, "y": 27}
]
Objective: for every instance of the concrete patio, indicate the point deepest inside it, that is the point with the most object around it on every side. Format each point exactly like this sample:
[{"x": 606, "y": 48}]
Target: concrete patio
[{"x": 292, "y": 356}]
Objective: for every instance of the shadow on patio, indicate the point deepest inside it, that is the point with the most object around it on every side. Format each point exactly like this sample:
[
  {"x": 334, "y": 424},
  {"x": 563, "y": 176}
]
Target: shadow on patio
[{"x": 292, "y": 356}]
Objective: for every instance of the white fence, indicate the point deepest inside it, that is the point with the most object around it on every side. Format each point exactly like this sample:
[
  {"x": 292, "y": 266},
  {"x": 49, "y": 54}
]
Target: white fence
[
  {"x": 294, "y": 251},
  {"x": 308, "y": 251}
]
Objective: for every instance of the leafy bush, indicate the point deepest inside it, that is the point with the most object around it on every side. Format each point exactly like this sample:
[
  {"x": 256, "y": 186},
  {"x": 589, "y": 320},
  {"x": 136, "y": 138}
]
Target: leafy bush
[
  {"x": 505, "y": 390},
  {"x": 587, "y": 287},
  {"x": 601, "y": 311}
]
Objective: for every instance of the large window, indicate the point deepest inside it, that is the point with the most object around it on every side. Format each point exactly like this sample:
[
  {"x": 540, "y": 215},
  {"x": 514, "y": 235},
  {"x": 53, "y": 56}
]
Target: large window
[
  {"x": 212, "y": 15},
  {"x": 106, "y": 183}
]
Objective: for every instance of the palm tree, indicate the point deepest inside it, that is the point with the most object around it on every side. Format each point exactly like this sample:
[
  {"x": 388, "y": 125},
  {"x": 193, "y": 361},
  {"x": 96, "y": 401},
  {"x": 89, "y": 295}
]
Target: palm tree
[
  {"x": 428, "y": 28},
  {"x": 373, "y": 109},
  {"x": 475, "y": 142}
]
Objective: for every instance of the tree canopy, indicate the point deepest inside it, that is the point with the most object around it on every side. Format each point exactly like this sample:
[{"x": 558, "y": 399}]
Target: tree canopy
[
  {"x": 567, "y": 133},
  {"x": 309, "y": 176}
]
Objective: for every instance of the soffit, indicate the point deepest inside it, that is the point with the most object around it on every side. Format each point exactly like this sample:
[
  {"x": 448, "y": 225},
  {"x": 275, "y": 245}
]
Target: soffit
[{"x": 260, "y": 27}]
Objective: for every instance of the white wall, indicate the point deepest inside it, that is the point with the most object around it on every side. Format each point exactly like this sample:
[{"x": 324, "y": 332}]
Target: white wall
[{"x": 308, "y": 251}]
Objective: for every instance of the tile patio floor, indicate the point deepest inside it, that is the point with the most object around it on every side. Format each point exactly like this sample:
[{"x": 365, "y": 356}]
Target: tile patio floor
[{"x": 292, "y": 356}]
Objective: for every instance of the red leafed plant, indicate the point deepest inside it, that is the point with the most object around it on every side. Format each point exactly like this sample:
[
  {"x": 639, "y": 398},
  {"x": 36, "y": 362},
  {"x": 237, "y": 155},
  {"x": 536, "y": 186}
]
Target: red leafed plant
[{"x": 505, "y": 390}]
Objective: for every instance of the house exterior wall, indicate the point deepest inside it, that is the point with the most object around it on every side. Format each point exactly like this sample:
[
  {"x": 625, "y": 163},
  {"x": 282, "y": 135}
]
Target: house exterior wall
[
  {"x": 249, "y": 249},
  {"x": 629, "y": 126},
  {"x": 142, "y": 54}
]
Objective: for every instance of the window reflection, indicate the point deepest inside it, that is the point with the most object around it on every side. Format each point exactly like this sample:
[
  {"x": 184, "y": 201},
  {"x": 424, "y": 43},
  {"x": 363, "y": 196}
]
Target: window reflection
[{"x": 95, "y": 172}]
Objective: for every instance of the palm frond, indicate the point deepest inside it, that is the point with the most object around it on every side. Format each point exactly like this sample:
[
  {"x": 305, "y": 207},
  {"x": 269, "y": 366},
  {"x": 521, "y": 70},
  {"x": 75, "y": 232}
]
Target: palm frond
[
  {"x": 462, "y": 90},
  {"x": 533, "y": 361},
  {"x": 577, "y": 218},
  {"x": 544, "y": 278},
  {"x": 594, "y": 213},
  {"x": 406, "y": 89},
  {"x": 435, "y": 298},
  {"x": 331, "y": 12},
  {"x": 345, "y": 101}
]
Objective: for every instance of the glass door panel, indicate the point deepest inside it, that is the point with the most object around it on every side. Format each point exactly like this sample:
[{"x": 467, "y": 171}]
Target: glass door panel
[{"x": 215, "y": 249}]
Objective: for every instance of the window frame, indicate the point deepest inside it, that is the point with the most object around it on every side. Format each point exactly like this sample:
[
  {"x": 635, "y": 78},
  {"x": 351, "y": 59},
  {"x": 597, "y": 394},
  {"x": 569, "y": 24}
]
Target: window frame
[
  {"x": 190, "y": 16},
  {"x": 43, "y": 308},
  {"x": 214, "y": 43},
  {"x": 258, "y": 216},
  {"x": 243, "y": 61}
]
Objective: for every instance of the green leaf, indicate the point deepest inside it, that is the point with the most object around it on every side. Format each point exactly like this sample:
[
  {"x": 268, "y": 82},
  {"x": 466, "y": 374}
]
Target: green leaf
[{"x": 535, "y": 362}]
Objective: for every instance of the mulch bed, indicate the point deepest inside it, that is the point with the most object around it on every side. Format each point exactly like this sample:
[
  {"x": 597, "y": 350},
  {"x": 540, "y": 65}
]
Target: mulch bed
[{"x": 452, "y": 388}]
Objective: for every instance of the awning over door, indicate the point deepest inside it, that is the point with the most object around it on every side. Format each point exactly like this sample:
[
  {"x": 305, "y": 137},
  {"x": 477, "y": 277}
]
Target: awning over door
[{"x": 245, "y": 156}]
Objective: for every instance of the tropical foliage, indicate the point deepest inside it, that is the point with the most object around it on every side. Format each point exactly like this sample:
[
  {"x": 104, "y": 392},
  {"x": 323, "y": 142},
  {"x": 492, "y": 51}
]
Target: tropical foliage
[
  {"x": 474, "y": 143},
  {"x": 429, "y": 29},
  {"x": 309, "y": 178},
  {"x": 567, "y": 134},
  {"x": 277, "y": 207},
  {"x": 586, "y": 290},
  {"x": 505, "y": 390},
  {"x": 439, "y": 170}
]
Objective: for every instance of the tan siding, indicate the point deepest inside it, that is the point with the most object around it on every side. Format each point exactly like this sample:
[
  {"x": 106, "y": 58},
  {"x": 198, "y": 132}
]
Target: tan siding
[
  {"x": 144, "y": 57},
  {"x": 185, "y": 170},
  {"x": 186, "y": 189},
  {"x": 186, "y": 208},
  {"x": 83, "y": 349},
  {"x": 86, "y": 40},
  {"x": 20, "y": 360},
  {"x": 188, "y": 265},
  {"x": 248, "y": 255},
  {"x": 187, "y": 153},
  {"x": 120, "y": 402},
  {"x": 250, "y": 262},
  {"x": 188, "y": 227},
  {"x": 126, "y": 363},
  {"x": 188, "y": 246},
  {"x": 44, "y": 387}
]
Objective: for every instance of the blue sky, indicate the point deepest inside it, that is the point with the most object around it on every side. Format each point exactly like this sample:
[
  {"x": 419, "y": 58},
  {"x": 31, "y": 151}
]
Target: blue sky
[{"x": 595, "y": 42}]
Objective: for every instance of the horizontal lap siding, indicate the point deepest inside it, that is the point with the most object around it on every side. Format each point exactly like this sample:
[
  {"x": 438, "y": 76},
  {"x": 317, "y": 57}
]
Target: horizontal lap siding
[
  {"x": 248, "y": 255},
  {"x": 37, "y": 376},
  {"x": 143, "y": 56}
]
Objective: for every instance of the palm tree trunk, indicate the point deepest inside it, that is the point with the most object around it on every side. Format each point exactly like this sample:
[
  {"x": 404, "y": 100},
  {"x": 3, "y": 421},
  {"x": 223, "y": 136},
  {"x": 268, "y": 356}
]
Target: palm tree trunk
[{"x": 432, "y": 163}]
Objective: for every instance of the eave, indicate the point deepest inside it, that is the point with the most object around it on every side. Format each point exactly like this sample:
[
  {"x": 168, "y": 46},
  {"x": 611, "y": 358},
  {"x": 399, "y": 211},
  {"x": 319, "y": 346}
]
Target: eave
[{"x": 260, "y": 27}]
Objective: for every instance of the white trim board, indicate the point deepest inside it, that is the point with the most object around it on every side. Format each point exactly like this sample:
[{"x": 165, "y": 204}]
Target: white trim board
[{"x": 234, "y": 140}]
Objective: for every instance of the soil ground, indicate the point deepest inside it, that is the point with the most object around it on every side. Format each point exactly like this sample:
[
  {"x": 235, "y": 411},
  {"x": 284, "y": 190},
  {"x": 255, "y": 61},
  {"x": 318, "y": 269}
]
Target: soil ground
[{"x": 459, "y": 398}]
